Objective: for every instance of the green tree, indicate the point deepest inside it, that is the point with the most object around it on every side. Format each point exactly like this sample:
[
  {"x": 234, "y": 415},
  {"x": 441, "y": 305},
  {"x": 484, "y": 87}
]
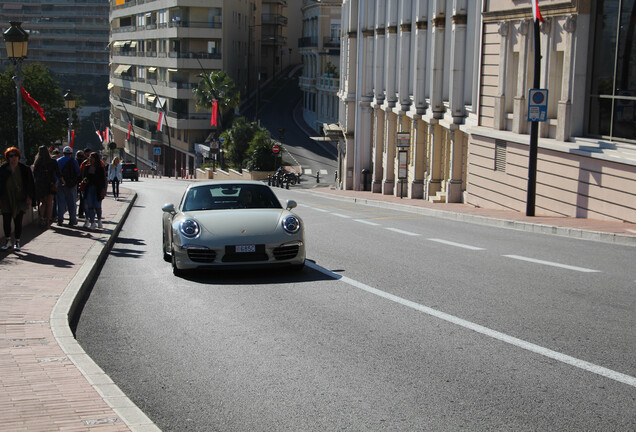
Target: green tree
[
  {"x": 237, "y": 141},
  {"x": 38, "y": 81},
  {"x": 217, "y": 86},
  {"x": 259, "y": 155}
]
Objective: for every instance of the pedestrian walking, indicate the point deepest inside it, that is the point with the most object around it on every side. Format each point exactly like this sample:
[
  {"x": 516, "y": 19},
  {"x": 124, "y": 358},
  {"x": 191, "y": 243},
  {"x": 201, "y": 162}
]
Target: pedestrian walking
[
  {"x": 67, "y": 192},
  {"x": 115, "y": 176},
  {"x": 47, "y": 175},
  {"x": 17, "y": 194},
  {"x": 80, "y": 158},
  {"x": 95, "y": 190},
  {"x": 55, "y": 154}
]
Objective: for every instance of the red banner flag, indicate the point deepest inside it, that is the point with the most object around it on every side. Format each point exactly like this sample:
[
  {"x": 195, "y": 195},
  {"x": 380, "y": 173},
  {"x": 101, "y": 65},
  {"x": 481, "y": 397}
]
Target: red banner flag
[
  {"x": 160, "y": 121},
  {"x": 213, "y": 118},
  {"x": 72, "y": 138},
  {"x": 536, "y": 14},
  {"x": 129, "y": 128},
  {"x": 36, "y": 106},
  {"x": 99, "y": 135}
]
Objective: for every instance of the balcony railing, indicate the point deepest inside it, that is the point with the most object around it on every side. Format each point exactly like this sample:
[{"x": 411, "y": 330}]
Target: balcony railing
[
  {"x": 173, "y": 24},
  {"x": 274, "y": 19},
  {"x": 329, "y": 42},
  {"x": 307, "y": 41}
]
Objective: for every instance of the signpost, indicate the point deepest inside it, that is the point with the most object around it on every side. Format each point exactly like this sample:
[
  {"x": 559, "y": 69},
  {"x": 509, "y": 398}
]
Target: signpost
[{"x": 275, "y": 149}]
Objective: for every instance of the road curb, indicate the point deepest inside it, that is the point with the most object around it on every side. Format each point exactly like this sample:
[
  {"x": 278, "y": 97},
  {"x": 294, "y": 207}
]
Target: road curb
[
  {"x": 65, "y": 311},
  {"x": 577, "y": 233}
]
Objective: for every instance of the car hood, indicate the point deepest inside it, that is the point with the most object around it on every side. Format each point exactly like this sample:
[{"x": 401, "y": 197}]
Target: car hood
[{"x": 233, "y": 223}]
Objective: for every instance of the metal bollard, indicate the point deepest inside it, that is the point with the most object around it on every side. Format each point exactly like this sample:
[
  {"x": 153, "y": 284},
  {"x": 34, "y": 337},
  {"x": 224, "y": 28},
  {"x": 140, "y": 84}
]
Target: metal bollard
[
  {"x": 269, "y": 180},
  {"x": 287, "y": 185},
  {"x": 318, "y": 177}
]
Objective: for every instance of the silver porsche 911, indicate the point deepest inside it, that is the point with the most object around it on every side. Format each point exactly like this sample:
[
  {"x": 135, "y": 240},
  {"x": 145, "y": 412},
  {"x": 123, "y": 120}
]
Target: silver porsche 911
[{"x": 231, "y": 223}]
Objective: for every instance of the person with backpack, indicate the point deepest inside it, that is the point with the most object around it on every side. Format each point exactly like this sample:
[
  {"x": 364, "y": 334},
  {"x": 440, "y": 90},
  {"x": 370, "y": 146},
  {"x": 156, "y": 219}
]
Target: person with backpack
[{"x": 67, "y": 192}]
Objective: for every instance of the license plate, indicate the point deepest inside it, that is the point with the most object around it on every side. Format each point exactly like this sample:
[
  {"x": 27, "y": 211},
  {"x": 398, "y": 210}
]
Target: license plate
[{"x": 245, "y": 248}]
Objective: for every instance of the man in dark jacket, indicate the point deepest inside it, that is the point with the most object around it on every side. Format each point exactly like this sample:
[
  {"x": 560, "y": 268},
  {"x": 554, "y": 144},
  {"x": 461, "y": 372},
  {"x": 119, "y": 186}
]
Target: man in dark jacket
[
  {"x": 17, "y": 194},
  {"x": 67, "y": 192}
]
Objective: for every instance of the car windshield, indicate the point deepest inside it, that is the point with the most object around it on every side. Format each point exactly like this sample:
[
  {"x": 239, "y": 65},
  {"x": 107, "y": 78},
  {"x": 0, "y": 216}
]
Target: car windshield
[{"x": 230, "y": 196}]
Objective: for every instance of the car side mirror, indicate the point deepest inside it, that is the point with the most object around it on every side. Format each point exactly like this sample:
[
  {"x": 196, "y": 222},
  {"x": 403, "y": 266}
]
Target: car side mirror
[
  {"x": 168, "y": 208},
  {"x": 291, "y": 204}
]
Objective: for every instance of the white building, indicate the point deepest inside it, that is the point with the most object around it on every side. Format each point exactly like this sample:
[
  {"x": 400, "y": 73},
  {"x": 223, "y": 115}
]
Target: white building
[{"x": 452, "y": 77}]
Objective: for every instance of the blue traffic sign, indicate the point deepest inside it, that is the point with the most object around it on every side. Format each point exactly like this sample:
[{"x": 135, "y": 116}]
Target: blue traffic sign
[{"x": 538, "y": 105}]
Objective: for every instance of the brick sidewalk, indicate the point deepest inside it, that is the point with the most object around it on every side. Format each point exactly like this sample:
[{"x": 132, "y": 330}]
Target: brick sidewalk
[{"x": 47, "y": 382}]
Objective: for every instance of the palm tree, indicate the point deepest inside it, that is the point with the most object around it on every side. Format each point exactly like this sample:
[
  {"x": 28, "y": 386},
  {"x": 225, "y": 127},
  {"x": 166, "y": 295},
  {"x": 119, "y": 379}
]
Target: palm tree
[{"x": 217, "y": 86}]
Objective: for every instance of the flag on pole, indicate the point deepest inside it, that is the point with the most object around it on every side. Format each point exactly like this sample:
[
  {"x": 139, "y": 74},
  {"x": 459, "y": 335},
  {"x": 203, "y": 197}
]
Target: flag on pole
[
  {"x": 213, "y": 118},
  {"x": 107, "y": 134},
  {"x": 536, "y": 14},
  {"x": 99, "y": 135},
  {"x": 36, "y": 106},
  {"x": 72, "y": 138},
  {"x": 160, "y": 121},
  {"x": 129, "y": 128}
]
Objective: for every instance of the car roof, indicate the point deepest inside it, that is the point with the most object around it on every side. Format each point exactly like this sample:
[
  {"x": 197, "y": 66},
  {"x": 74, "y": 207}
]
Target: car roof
[{"x": 228, "y": 182}]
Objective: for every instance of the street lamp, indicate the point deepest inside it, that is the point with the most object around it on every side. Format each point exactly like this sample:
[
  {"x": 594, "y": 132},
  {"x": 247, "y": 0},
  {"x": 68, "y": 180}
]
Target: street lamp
[
  {"x": 69, "y": 103},
  {"x": 17, "y": 41}
]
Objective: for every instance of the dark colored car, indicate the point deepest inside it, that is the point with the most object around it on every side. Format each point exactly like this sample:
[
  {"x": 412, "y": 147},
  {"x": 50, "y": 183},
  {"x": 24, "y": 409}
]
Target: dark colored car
[{"x": 129, "y": 171}]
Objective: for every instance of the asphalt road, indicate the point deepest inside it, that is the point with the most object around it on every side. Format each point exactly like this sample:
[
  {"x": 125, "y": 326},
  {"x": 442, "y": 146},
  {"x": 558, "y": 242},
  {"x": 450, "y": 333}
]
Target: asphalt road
[
  {"x": 277, "y": 106},
  {"x": 399, "y": 322}
]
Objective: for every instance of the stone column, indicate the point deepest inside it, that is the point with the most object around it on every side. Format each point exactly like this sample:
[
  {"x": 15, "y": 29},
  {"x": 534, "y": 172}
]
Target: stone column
[
  {"x": 437, "y": 58},
  {"x": 520, "y": 103},
  {"x": 388, "y": 161},
  {"x": 454, "y": 192},
  {"x": 435, "y": 172},
  {"x": 458, "y": 61},
  {"x": 405, "y": 55},
  {"x": 419, "y": 62},
  {"x": 500, "y": 99},
  {"x": 418, "y": 142},
  {"x": 347, "y": 175},
  {"x": 378, "y": 150},
  {"x": 391, "y": 53},
  {"x": 546, "y": 59},
  {"x": 565, "y": 102}
]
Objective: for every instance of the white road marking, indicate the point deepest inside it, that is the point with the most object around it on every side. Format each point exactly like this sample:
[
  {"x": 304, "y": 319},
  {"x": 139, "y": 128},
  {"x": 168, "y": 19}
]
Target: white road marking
[
  {"x": 450, "y": 243},
  {"x": 631, "y": 230},
  {"x": 308, "y": 171},
  {"x": 321, "y": 210},
  {"x": 341, "y": 215},
  {"x": 563, "y": 358},
  {"x": 552, "y": 264},
  {"x": 403, "y": 232},
  {"x": 367, "y": 222}
]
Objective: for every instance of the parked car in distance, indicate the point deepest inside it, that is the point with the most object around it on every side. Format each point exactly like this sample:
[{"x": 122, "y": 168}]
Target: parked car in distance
[
  {"x": 129, "y": 171},
  {"x": 231, "y": 224}
]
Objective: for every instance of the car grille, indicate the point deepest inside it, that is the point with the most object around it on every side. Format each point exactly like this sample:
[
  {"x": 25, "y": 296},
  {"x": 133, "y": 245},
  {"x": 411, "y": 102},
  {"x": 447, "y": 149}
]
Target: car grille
[
  {"x": 202, "y": 255},
  {"x": 286, "y": 252},
  {"x": 231, "y": 255}
]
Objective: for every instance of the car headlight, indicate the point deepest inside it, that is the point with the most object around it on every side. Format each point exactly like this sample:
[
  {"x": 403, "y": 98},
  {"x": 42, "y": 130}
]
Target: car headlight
[
  {"x": 189, "y": 228},
  {"x": 291, "y": 224}
]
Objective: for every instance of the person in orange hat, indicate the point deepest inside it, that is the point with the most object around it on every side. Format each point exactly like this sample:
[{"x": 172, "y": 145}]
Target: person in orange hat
[{"x": 17, "y": 195}]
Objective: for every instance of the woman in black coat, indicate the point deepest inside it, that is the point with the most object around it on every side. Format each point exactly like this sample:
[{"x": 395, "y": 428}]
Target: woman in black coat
[
  {"x": 17, "y": 194},
  {"x": 46, "y": 173}
]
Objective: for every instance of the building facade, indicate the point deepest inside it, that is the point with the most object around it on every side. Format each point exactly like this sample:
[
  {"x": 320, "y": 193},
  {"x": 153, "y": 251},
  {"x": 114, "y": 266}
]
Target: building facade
[
  {"x": 158, "y": 52},
  {"x": 434, "y": 103},
  {"x": 69, "y": 37},
  {"x": 320, "y": 51}
]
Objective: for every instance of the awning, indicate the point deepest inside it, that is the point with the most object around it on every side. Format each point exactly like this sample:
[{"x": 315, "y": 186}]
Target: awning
[
  {"x": 151, "y": 99},
  {"x": 133, "y": 44},
  {"x": 110, "y": 86},
  {"x": 173, "y": 70},
  {"x": 122, "y": 69},
  {"x": 152, "y": 69},
  {"x": 119, "y": 44}
]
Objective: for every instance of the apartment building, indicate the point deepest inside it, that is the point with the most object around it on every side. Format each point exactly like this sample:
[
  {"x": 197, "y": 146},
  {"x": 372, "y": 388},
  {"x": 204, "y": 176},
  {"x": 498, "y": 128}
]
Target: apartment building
[
  {"x": 320, "y": 51},
  {"x": 158, "y": 51},
  {"x": 434, "y": 103},
  {"x": 70, "y": 38}
]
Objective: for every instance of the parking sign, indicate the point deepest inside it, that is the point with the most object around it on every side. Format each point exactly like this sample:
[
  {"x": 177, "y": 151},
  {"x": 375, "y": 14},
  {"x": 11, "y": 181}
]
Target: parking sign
[{"x": 538, "y": 105}]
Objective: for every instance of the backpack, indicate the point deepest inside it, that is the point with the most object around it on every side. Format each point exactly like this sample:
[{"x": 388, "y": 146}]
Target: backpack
[{"x": 69, "y": 175}]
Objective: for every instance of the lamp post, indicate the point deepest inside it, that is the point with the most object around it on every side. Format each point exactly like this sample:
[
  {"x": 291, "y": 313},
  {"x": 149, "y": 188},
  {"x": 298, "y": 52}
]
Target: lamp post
[
  {"x": 17, "y": 41},
  {"x": 69, "y": 103}
]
